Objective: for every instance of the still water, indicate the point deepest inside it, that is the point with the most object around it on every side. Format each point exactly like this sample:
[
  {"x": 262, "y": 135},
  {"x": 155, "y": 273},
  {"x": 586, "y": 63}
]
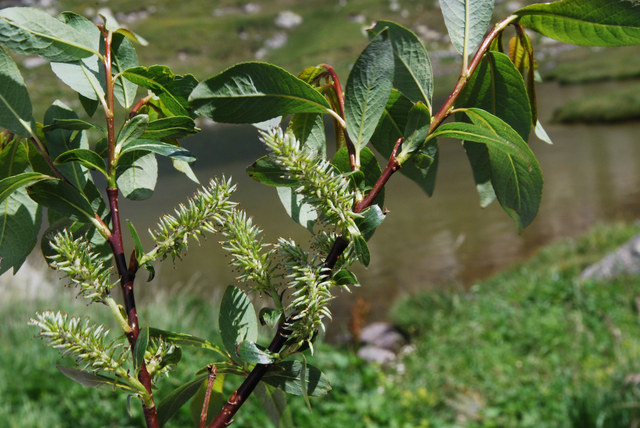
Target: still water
[{"x": 591, "y": 174}]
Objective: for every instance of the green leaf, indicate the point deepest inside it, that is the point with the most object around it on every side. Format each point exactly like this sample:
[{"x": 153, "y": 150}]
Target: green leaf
[
  {"x": 345, "y": 278},
  {"x": 286, "y": 375},
  {"x": 170, "y": 404},
  {"x": 160, "y": 148},
  {"x": 362, "y": 250},
  {"x": 85, "y": 76},
  {"x": 467, "y": 22},
  {"x": 515, "y": 173},
  {"x": 15, "y": 104},
  {"x": 250, "y": 353},
  {"x": 137, "y": 175},
  {"x": 371, "y": 218},
  {"x": 30, "y": 31},
  {"x": 71, "y": 125},
  {"x": 140, "y": 348},
  {"x": 270, "y": 317},
  {"x": 60, "y": 140},
  {"x": 171, "y": 89},
  {"x": 63, "y": 198},
  {"x": 274, "y": 403},
  {"x": 586, "y": 22},
  {"x": 20, "y": 217},
  {"x": 216, "y": 400},
  {"x": 413, "y": 75},
  {"x": 369, "y": 166},
  {"x": 92, "y": 380},
  {"x": 237, "y": 320},
  {"x": 253, "y": 92},
  {"x": 137, "y": 243},
  {"x": 497, "y": 87},
  {"x": 308, "y": 128},
  {"x": 294, "y": 204},
  {"x": 184, "y": 168},
  {"x": 266, "y": 171},
  {"x": 416, "y": 131},
  {"x": 132, "y": 129},
  {"x": 85, "y": 157},
  {"x": 170, "y": 127},
  {"x": 183, "y": 339},
  {"x": 124, "y": 57},
  {"x": 368, "y": 89}
]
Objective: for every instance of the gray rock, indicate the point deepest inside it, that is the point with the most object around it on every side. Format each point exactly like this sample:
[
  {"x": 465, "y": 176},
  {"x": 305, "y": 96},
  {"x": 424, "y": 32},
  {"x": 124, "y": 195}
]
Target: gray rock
[
  {"x": 374, "y": 354},
  {"x": 382, "y": 335},
  {"x": 623, "y": 261}
]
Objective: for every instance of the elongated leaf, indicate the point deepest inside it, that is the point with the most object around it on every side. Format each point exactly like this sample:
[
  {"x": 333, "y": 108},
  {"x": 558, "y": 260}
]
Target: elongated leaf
[
  {"x": 345, "y": 278},
  {"x": 372, "y": 218},
  {"x": 92, "y": 380},
  {"x": 250, "y": 353},
  {"x": 586, "y": 22},
  {"x": 15, "y": 104},
  {"x": 60, "y": 140},
  {"x": 294, "y": 204},
  {"x": 267, "y": 171},
  {"x": 124, "y": 57},
  {"x": 308, "y": 128},
  {"x": 170, "y": 404},
  {"x": 413, "y": 75},
  {"x": 184, "y": 339},
  {"x": 368, "y": 89},
  {"x": 70, "y": 124},
  {"x": 86, "y": 75},
  {"x": 31, "y": 31},
  {"x": 416, "y": 131},
  {"x": 137, "y": 175},
  {"x": 85, "y": 157},
  {"x": 238, "y": 321},
  {"x": 287, "y": 375},
  {"x": 362, "y": 250},
  {"x": 63, "y": 198},
  {"x": 170, "y": 127},
  {"x": 132, "y": 130},
  {"x": 140, "y": 348},
  {"x": 158, "y": 147},
  {"x": 515, "y": 173},
  {"x": 20, "y": 217},
  {"x": 497, "y": 87},
  {"x": 173, "y": 90},
  {"x": 254, "y": 92},
  {"x": 274, "y": 403},
  {"x": 368, "y": 166},
  {"x": 466, "y": 21}
]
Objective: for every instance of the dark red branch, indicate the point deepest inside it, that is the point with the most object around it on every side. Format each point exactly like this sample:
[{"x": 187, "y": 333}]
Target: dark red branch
[
  {"x": 392, "y": 166},
  {"x": 207, "y": 396}
]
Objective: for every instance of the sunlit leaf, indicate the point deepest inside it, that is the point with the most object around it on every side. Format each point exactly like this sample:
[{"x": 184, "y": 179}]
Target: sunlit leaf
[{"x": 467, "y": 21}]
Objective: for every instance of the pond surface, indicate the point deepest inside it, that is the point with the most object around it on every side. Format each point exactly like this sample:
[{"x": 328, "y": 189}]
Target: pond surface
[{"x": 591, "y": 174}]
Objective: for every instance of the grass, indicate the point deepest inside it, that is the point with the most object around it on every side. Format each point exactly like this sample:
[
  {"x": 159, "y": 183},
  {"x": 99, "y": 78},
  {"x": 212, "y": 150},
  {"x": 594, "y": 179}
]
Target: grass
[{"x": 530, "y": 347}]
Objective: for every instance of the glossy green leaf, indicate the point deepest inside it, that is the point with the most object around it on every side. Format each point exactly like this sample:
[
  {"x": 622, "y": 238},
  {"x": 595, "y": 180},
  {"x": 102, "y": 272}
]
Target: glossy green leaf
[
  {"x": 287, "y": 375},
  {"x": 170, "y": 127},
  {"x": 59, "y": 141},
  {"x": 416, "y": 131},
  {"x": 137, "y": 175},
  {"x": 137, "y": 243},
  {"x": 250, "y": 353},
  {"x": 172, "y": 90},
  {"x": 371, "y": 218},
  {"x": 31, "y": 31},
  {"x": 85, "y": 76},
  {"x": 160, "y": 148},
  {"x": 266, "y": 171},
  {"x": 345, "y": 278},
  {"x": 132, "y": 129},
  {"x": 20, "y": 217},
  {"x": 368, "y": 89},
  {"x": 63, "y": 198},
  {"x": 362, "y": 250},
  {"x": 254, "y": 92},
  {"x": 70, "y": 124},
  {"x": 392, "y": 126},
  {"x": 170, "y": 404},
  {"x": 515, "y": 173},
  {"x": 184, "y": 339},
  {"x": 497, "y": 87},
  {"x": 467, "y": 21},
  {"x": 184, "y": 168},
  {"x": 92, "y": 380},
  {"x": 85, "y": 157},
  {"x": 237, "y": 320},
  {"x": 140, "y": 348},
  {"x": 413, "y": 75},
  {"x": 15, "y": 104},
  {"x": 123, "y": 57},
  {"x": 586, "y": 22}
]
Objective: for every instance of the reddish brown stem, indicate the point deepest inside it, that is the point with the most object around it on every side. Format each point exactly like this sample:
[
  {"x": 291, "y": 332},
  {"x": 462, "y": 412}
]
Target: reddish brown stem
[
  {"x": 207, "y": 395},
  {"x": 392, "y": 166},
  {"x": 139, "y": 105}
]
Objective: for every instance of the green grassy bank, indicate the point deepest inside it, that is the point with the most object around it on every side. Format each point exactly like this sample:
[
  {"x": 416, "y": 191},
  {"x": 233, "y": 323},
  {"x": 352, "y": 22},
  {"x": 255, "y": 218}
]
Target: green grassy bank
[{"x": 530, "y": 347}]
